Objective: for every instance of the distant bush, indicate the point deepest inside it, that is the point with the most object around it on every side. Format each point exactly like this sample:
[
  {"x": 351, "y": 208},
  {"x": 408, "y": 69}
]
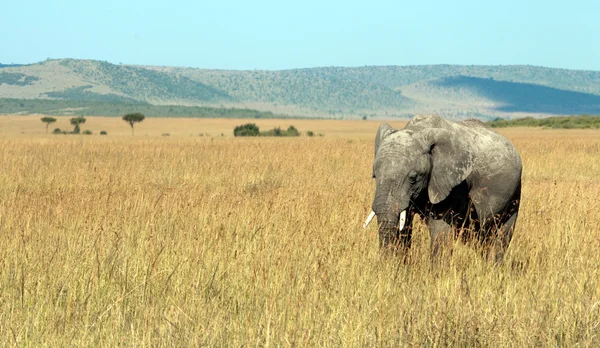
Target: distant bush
[
  {"x": 246, "y": 130},
  {"x": 310, "y": 133},
  {"x": 58, "y": 131},
  {"x": 250, "y": 129},
  {"x": 87, "y": 132},
  {"x": 292, "y": 132},
  {"x": 166, "y": 134},
  {"x": 277, "y": 132},
  {"x": 103, "y": 133}
]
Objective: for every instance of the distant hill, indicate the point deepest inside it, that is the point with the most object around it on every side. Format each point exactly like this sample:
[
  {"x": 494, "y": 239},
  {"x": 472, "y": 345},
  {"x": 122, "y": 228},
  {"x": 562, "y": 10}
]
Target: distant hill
[
  {"x": 568, "y": 122},
  {"x": 310, "y": 88},
  {"x": 61, "y": 107},
  {"x": 9, "y": 65},
  {"x": 522, "y": 97},
  {"x": 485, "y": 92}
]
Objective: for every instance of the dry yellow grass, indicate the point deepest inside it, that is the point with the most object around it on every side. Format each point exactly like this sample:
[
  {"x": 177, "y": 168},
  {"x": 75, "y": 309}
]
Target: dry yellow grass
[
  {"x": 189, "y": 241},
  {"x": 185, "y": 127}
]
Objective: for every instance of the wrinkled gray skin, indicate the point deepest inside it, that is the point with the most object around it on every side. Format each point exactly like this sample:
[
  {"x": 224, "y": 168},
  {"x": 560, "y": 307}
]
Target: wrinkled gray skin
[{"x": 458, "y": 177}]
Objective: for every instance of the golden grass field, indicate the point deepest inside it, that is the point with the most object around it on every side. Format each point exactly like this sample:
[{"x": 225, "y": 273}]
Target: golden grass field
[
  {"x": 184, "y": 127},
  {"x": 221, "y": 241}
]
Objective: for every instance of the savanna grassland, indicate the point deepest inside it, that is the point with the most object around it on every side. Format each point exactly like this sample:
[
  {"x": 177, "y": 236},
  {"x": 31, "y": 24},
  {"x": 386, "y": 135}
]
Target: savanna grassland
[{"x": 219, "y": 241}]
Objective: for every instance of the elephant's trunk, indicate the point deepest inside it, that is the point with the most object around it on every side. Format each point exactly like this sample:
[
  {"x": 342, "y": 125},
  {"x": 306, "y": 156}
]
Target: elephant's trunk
[
  {"x": 391, "y": 210},
  {"x": 390, "y": 226},
  {"x": 388, "y": 233}
]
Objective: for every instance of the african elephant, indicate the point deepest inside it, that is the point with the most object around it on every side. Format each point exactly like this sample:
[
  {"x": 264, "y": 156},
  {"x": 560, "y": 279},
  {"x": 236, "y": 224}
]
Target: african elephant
[{"x": 461, "y": 178}]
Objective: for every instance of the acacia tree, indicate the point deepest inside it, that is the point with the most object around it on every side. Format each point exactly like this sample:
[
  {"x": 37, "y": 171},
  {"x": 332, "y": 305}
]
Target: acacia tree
[
  {"x": 133, "y": 119},
  {"x": 76, "y": 121},
  {"x": 48, "y": 121}
]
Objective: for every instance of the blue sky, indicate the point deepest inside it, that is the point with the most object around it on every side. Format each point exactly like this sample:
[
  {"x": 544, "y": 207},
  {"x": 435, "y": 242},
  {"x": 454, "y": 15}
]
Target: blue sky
[{"x": 223, "y": 34}]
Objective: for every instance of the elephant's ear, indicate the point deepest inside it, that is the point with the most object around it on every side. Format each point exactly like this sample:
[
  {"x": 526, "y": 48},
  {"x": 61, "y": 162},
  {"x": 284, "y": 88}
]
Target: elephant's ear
[
  {"x": 383, "y": 131},
  {"x": 451, "y": 162}
]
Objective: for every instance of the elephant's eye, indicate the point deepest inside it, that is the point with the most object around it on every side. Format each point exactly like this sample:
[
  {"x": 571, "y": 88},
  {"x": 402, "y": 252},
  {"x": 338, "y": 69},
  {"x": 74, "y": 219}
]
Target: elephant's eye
[{"x": 412, "y": 177}]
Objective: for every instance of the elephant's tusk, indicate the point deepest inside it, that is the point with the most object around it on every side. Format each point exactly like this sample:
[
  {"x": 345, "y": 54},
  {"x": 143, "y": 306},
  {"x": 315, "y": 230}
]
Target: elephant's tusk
[
  {"x": 369, "y": 218},
  {"x": 402, "y": 220}
]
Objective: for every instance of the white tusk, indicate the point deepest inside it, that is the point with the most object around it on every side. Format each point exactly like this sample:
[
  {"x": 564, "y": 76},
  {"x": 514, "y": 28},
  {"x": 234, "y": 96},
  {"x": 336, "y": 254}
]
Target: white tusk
[
  {"x": 369, "y": 218},
  {"x": 402, "y": 220}
]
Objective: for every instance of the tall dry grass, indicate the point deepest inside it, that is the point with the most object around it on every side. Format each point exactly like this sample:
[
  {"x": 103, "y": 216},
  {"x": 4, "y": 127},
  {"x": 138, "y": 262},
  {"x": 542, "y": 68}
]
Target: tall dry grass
[{"x": 258, "y": 242}]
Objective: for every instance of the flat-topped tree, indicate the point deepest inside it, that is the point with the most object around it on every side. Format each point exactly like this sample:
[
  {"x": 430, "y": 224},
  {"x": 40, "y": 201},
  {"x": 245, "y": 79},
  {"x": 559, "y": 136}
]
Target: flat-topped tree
[
  {"x": 133, "y": 119},
  {"x": 48, "y": 120},
  {"x": 76, "y": 121}
]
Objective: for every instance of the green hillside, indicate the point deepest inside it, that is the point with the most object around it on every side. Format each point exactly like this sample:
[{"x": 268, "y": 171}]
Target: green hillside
[
  {"x": 303, "y": 87},
  {"x": 144, "y": 84},
  {"x": 397, "y": 76},
  {"x": 306, "y": 88},
  {"x": 522, "y": 97},
  {"x": 453, "y": 91},
  {"x": 16, "y": 79},
  {"x": 119, "y": 108}
]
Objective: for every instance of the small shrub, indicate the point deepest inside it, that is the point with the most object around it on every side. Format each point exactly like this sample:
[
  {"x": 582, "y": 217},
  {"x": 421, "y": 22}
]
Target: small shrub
[
  {"x": 321, "y": 134},
  {"x": 166, "y": 134},
  {"x": 310, "y": 133},
  {"x": 246, "y": 130},
  {"x": 103, "y": 133},
  {"x": 292, "y": 132},
  {"x": 87, "y": 132},
  {"x": 57, "y": 131},
  {"x": 278, "y": 132}
]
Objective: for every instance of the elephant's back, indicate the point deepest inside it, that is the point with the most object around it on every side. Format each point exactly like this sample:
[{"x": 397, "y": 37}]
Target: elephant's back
[
  {"x": 473, "y": 122},
  {"x": 490, "y": 146},
  {"x": 494, "y": 153}
]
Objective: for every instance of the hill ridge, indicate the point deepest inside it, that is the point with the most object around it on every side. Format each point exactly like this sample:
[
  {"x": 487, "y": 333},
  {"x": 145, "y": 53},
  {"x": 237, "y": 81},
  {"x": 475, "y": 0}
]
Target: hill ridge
[{"x": 484, "y": 91}]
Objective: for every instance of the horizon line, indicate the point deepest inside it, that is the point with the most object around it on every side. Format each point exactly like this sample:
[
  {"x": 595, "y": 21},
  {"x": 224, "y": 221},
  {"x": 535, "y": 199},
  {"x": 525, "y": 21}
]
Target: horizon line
[{"x": 13, "y": 64}]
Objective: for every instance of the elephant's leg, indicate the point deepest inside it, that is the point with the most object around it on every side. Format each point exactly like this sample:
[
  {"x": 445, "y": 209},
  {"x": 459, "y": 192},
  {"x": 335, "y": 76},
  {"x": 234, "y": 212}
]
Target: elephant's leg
[
  {"x": 441, "y": 236},
  {"x": 501, "y": 239}
]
